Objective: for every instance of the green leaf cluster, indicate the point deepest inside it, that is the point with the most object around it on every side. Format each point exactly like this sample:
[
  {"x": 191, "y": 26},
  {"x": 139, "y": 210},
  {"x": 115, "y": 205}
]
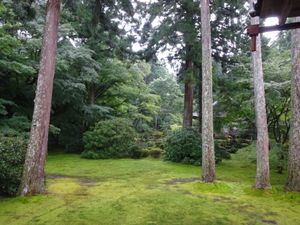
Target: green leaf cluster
[{"x": 12, "y": 157}]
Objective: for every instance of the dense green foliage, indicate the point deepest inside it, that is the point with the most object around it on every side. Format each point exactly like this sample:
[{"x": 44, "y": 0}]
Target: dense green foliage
[
  {"x": 235, "y": 97},
  {"x": 154, "y": 152},
  {"x": 12, "y": 156},
  {"x": 110, "y": 100},
  {"x": 184, "y": 145},
  {"x": 114, "y": 138},
  {"x": 98, "y": 76},
  {"x": 171, "y": 100}
]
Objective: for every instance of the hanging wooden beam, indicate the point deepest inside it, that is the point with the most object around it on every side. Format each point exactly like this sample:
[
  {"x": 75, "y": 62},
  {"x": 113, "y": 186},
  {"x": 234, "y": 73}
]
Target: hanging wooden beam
[
  {"x": 287, "y": 26},
  {"x": 254, "y": 30},
  {"x": 282, "y": 9}
]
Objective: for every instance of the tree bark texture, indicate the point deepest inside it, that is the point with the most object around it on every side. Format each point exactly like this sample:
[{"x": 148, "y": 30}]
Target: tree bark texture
[
  {"x": 188, "y": 99},
  {"x": 208, "y": 154},
  {"x": 200, "y": 100},
  {"x": 262, "y": 145},
  {"x": 293, "y": 183},
  {"x": 33, "y": 180}
]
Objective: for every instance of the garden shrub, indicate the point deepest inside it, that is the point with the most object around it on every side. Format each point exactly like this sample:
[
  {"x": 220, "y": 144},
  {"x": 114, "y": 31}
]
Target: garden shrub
[
  {"x": 280, "y": 160},
  {"x": 153, "y": 139},
  {"x": 184, "y": 146},
  {"x": 278, "y": 156},
  {"x": 136, "y": 152},
  {"x": 114, "y": 138},
  {"x": 221, "y": 151},
  {"x": 154, "y": 152},
  {"x": 12, "y": 157},
  {"x": 233, "y": 145},
  {"x": 159, "y": 139}
]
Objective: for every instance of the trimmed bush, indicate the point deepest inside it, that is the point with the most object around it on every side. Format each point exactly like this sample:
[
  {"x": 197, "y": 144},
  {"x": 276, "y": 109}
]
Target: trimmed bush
[
  {"x": 158, "y": 139},
  {"x": 154, "y": 152},
  {"x": 12, "y": 157},
  {"x": 184, "y": 146},
  {"x": 136, "y": 152},
  {"x": 113, "y": 138}
]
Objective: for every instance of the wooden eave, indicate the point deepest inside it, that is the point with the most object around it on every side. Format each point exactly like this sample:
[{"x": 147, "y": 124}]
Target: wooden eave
[{"x": 282, "y": 9}]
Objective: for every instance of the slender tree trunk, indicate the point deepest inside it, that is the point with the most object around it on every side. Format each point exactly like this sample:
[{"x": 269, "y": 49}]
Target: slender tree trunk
[
  {"x": 92, "y": 95},
  {"x": 262, "y": 145},
  {"x": 188, "y": 100},
  {"x": 208, "y": 153},
  {"x": 156, "y": 122},
  {"x": 293, "y": 183},
  {"x": 33, "y": 180}
]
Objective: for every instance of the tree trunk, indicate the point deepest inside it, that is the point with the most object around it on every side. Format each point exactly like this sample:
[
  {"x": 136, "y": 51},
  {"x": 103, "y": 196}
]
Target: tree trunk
[
  {"x": 200, "y": 100},
  {"x": 262, "y": 145},
  {"x": 188, "y": 100},
  {"x": 208, "y": 153},
  {"x": 33, "y": 180},
  {"x": 92, "y": 94},
  {"x": 293, "y": 183}
]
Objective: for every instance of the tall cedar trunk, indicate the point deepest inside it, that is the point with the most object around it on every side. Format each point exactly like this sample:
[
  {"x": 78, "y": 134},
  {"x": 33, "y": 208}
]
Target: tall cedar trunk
[
  {"x": 208, "y": 153},
  {"x": 33, "y": 180},
  {"x": 200, "y": 100},
  {"x": 262, "y": 145},
  {"x": 188, "y": 99},
  {"x": 293, "y": 183}
]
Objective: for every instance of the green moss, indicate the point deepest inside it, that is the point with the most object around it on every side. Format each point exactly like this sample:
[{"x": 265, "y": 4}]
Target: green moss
[
  {"x": 216, "y": 188},
  {"x": 150, "y": 191}
]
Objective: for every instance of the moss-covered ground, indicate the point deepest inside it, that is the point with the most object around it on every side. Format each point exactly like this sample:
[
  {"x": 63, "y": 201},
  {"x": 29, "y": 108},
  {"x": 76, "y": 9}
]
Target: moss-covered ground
[{"x": 149, "y": 192}]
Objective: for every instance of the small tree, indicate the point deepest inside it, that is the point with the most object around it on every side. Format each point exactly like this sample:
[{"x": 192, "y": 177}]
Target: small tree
[{"x": 33, "y": 179}]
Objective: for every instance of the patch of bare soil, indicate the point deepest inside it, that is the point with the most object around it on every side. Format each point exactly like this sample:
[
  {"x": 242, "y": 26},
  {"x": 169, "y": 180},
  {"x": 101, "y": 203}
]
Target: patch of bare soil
[
  {"x": 269, "y": 221},
  {"x": 182, "y": 180},
  {"x": 85, "y": 181}
]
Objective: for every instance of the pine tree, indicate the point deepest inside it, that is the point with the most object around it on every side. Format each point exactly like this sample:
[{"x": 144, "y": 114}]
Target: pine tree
[{"x": 179, "y": 29}]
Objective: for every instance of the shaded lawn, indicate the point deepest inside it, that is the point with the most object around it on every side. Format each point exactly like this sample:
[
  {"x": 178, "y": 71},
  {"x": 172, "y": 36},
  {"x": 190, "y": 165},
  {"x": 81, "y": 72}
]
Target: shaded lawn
[{"x": 150, "y": 191}]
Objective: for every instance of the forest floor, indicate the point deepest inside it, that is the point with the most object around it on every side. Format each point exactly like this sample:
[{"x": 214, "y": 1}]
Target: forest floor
[{"x": 149, "y": 192}]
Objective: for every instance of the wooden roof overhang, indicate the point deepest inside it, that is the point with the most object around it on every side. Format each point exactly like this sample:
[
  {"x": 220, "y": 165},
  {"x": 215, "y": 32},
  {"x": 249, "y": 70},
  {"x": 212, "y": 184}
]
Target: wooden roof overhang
[
  {"x": 276, "y": 8},
  {"x": 282, "y": 9}
]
